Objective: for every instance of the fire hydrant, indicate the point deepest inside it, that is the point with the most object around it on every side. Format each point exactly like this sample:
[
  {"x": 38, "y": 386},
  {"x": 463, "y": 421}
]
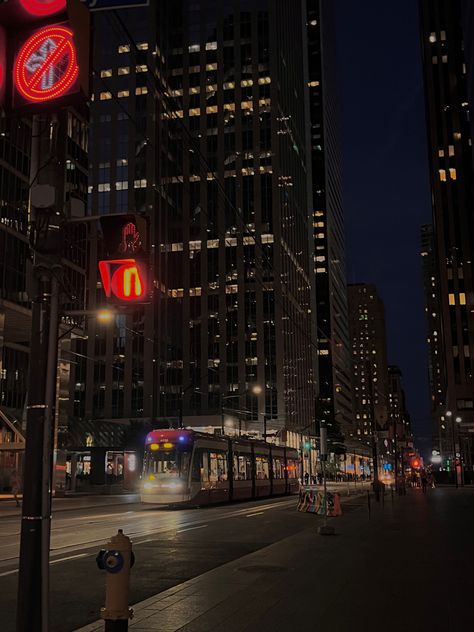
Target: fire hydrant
[{"x": 116, "y": 560}]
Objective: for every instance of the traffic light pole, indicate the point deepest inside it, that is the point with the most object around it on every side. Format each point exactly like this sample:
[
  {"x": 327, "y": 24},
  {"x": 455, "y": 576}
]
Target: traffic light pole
[
  {"x": 31, "y": 606},
  {"x": 48, "y": 443},
  {"x": 33, "y": 580}
]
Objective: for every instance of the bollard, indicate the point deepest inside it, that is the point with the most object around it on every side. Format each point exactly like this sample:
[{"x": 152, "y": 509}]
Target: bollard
[{"x": 116, "y": 560}]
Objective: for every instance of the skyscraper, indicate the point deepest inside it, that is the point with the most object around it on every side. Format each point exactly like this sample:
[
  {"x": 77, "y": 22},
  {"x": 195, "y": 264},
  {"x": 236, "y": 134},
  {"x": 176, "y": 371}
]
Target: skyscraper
[
  {"x": 369, "y": 359},
  {"x": 199, "y": 122},
  {"x": 448, "y": 59},
  {"x": 399, "y": 436},
  {"x": 334, "y": 361},
  {"x": 242, "y": 284},
  {"x": 436, "y": 372}
]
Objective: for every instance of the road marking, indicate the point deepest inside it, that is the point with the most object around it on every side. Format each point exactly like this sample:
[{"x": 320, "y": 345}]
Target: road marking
[
  {"x": 191, "y": 528},
  {"x": 156, "y": 531},
  {"x": 70, "y": 557},
  {"x": 62, "y": 559},
  {"x": 258, "y": 513}
]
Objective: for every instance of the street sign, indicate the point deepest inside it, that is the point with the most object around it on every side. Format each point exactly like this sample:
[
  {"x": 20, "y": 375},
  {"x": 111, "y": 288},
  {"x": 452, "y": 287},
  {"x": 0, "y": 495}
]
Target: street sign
[
  {"x": 124, "y": 279},
  {"x": 42, "y": 8},
  {"x": 109, "y": 5},
  {"x": 46, "y": 66}
]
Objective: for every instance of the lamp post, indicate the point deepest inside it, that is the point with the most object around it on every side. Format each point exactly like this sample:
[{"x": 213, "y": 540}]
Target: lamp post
[
  {"x": 255, "y": 389},
  {"x": 449, "y": 414},
  {"x": 458, "y": 420},
  {"x": 182, "y": 394}
]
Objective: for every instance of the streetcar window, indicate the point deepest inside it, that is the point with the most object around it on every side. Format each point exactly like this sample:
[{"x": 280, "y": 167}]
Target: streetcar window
[
  {"x": 166, "y": 463},
  {"x": 217, "y": 466},
  {"x": 277, "y": 468},
  {"x": 261, "y": 467},
  {"x": 209, "y": 466},
  {"x": 242, "y": 467},
  {"x": 205, "y": 467},
  {"x": 291, "y": 469}
]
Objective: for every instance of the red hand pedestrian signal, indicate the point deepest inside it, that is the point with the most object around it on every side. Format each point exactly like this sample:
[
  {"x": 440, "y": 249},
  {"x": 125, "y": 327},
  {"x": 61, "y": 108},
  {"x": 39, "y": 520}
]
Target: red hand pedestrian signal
[
  {"x": 46, "y": 67},
  {"x": 43, "y": 8},
  {"x": 123, "y": 279}
]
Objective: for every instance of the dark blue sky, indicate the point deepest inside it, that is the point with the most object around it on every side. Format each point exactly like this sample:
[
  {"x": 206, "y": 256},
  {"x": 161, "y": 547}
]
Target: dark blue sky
[{"x": 386, "y": 184}]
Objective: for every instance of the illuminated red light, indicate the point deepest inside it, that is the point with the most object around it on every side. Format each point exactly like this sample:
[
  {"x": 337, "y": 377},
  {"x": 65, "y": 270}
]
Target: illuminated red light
[
  {"x": 123, "y": 279},
  {"x": 46, "y": 66},
  {"x": 43, "y": 7}
]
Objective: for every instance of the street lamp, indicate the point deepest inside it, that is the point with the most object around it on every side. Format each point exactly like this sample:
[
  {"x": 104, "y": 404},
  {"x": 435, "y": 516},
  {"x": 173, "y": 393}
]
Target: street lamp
[
  {"x": 449, "y": 414},
  {"x": 105, "y": 316}
]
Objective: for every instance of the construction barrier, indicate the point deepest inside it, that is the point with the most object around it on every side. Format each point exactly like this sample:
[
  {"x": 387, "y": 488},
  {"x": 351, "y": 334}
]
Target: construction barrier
[{"x": 311, "y": 500}]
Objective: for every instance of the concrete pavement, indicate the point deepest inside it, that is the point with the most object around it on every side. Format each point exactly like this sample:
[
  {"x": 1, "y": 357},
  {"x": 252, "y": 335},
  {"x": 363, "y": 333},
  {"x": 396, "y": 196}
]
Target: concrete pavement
[{"x": 409, "y": 566}]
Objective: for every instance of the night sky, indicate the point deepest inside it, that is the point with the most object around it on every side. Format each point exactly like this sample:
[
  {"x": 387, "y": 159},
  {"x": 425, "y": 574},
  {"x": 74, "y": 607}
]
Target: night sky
[{"x": 386, "y": 182}]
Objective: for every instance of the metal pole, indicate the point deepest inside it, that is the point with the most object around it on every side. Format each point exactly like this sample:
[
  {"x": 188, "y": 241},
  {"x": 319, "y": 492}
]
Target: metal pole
[
  {"x": 396, "y": 457},
  {"x": 374, "y": 435},
  {"x": 30, "y": 614},
  {"x": 48, "y": 439},
  {"x": 222, "y": 413},
  {"x": 454, "y": 453},
  {"x": 325, "y": 494}
]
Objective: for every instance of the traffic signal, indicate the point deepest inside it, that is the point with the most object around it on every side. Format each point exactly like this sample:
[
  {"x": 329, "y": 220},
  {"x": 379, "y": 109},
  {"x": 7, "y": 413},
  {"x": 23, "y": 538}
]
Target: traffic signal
[
  {"x": 125, "y": 270},
  {"x": 46, "y": 61}
]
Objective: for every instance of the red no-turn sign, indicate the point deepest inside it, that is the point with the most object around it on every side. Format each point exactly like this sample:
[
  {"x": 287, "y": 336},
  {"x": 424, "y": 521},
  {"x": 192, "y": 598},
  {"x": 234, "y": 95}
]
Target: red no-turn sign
[{"x": 46, "y": 66}]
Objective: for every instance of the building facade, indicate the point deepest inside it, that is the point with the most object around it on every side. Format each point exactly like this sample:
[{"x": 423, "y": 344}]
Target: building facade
[
  {"x": 436, "y": 367},
  {"x": 52, "y": 151},
  {"x": 369, "y": 361},
  {"x": 15, "y": 313},
  {"x": 448, "y": 60},
  {"x": 198, "y": 123},
  {"x": 399, "y": 438},
  {"x": 334, "y": 359}
]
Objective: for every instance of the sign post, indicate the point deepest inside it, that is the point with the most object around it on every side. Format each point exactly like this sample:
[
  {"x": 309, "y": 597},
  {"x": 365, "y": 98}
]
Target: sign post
[{"x": 325, "y": 529}]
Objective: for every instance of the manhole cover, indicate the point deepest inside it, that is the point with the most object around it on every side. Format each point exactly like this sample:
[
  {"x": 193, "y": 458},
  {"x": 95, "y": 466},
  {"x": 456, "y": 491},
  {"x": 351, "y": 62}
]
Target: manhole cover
[{"x": 262, "y": 568}]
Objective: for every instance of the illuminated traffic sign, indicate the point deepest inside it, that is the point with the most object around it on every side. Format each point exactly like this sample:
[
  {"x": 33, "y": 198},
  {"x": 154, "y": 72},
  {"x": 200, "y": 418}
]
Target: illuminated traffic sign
[
  {"x": 46, "y": 66},
  {"x": 124, "y": 268},
  {"x": 43, "y": 8},
  {"x": 124, "y": 279}
]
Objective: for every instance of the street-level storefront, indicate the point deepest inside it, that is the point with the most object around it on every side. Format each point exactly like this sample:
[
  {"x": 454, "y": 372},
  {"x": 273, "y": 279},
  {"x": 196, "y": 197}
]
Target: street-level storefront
[{"x": 102, "y": 456}]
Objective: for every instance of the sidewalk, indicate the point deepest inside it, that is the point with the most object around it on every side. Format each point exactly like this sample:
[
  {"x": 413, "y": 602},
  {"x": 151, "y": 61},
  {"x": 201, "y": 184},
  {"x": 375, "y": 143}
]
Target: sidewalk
[{"x": 374, "y": 574}]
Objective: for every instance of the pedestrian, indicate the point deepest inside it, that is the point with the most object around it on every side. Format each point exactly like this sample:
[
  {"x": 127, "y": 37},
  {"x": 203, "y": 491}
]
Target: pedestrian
[
  {"x": 320, "y": 478},
  {"x": 306, "y": 478},
  {"x": 423, "y": 481},
  {"x": 15, "y": 485}
]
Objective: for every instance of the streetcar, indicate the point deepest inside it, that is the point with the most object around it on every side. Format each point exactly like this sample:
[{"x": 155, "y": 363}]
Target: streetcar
[{"x": 185, "y": 467}]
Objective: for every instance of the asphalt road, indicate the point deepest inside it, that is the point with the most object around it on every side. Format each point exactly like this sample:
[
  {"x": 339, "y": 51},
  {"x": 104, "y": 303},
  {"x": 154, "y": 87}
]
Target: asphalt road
[{"x": 170, "y": 546}]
